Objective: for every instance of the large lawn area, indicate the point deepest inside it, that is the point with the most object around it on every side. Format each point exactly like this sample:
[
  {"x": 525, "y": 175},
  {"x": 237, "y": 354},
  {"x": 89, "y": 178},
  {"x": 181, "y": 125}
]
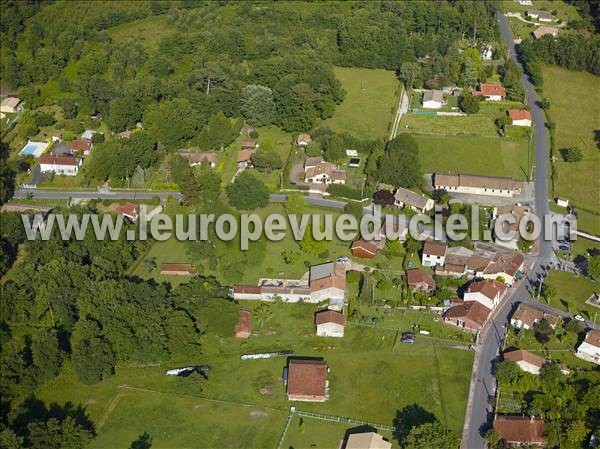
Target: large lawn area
[
  {"x": 370, "y": 102},
  {"x": 265, "y": 257},
  {"x": 575, "y": 98},
  {"x": 477, "y": 155},
  {"x": 572, "y": 292},
  {"x": 372, "y": 377}
]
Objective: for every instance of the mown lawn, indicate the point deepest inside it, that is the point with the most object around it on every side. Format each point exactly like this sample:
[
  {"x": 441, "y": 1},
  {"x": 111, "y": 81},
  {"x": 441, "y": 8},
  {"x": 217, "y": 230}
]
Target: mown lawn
[
  {"x": 372, "y": 378},
  {"x": 575, "y": 107},
  {"x": 481, "y": 124},
  {"x": 476, "y": 155},
  {"x": 370, "y": 103},
  {"x": 471, "y": 125},
  {"x": 572, "y": 292}
]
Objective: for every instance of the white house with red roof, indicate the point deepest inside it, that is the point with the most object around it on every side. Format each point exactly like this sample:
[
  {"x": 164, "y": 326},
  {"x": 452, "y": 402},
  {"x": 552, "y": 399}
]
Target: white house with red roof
[
  {"x": 487, "y": 292},
  {"x": 589, "y": 349},
  {"x": 520, "y": 117},
  {"x": 491, "y": 92},
  {"x": 61, "y": 165},
  {"x": 434, "y": 253},
  {"x": 326, "y": 281}
]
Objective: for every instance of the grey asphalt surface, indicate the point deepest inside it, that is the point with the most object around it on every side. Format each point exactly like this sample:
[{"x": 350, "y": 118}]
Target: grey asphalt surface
[
  {"x": 92, "y": 194},
  {"x": 480, "y": 411}
]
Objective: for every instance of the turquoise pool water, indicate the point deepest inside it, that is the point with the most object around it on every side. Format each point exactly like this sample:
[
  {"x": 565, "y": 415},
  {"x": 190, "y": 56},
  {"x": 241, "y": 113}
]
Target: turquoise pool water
[{"x": 29, "y": 150}]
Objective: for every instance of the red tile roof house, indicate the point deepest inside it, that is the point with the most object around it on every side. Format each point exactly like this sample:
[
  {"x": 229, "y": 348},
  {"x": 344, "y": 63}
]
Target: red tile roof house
[
  {"x": 434, "y": 253},
  {"x": 507, "y": 266},
  {"x": 589, "y": 348},
  {"x": 520, "y": 430},
  {"x": 197, "y": 157},
  {"x": 491, "y": 92},
  {"x": 307, "y": 380},
  {"x": 61, "y": 165},
  {"x": 129, "y": 210},
  {"x": 177, "y": 269},
  {"x": 420, "y": 280},
  {"x": 487, "y": 292},
  {"x": 244, "y": 158},
  {"x": 330, "y": 323},
  {"x": 526, "y": 360},
  {"x": 470, "y": 315},
  {"x": 243, "y": 329},
  {"x": 82, "y": 145},
  {"x": 325, "y": 173},
  {"x": 520, "y": 117},
  {"x": 526, "y": 316}
]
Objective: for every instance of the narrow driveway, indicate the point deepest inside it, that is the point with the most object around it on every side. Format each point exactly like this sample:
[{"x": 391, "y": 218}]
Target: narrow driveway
[{"x": 479, "y": 414}]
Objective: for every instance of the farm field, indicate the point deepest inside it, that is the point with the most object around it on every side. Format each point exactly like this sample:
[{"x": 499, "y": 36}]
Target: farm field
[
  {"x": 576, "y": 94},
  {"x": 370, "y": 102},
  {"x": 393, "y": 375},
  {"x": 572, "y": 292},
  {"x": 477, "y": 155}
]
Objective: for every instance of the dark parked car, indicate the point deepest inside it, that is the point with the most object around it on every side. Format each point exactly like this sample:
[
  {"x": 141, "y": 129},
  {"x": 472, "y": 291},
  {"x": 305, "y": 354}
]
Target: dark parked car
[{"x": 408, "y": 337}]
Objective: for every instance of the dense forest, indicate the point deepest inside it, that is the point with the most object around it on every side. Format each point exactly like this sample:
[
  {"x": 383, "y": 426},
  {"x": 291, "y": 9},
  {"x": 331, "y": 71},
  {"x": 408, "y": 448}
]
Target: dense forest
[
  {"x": 211, "y": 65},
  {"x": 70, "y": 302}
]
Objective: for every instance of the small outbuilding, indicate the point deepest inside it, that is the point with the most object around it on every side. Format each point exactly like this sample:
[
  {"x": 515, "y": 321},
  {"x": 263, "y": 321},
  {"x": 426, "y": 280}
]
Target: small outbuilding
[
  {"x": 303, "y": 140},
  {"x": 330, "y": 323},
  {"x": 433, "y": 99}
]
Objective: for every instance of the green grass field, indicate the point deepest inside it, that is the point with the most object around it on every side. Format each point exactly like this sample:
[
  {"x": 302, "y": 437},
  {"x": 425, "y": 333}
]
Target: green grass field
[
  {"x": 575, "y": 99},
  {"x": 243, "y": 403},
  {"x": 477, "y": 155},
  {"x": 481, "y": 124},
  {"x": 148, "y": 32},
  {"x": 370, "y": 103},
  {"x": 268, "y": 260},
  {"x": 572, "y": 292}
]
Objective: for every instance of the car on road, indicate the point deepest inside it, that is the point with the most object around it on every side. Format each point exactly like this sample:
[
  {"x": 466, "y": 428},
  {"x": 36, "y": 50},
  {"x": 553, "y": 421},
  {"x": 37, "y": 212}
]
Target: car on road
[
  {"x": 408, "y": 337},
  {"x": 579, "y": 318},
  {"x": 343, "y": 259},
  {"x": 564, "y": 247}
]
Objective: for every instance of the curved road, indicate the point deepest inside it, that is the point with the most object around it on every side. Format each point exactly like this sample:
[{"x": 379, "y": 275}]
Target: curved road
[{"x": 479, "y": 414}]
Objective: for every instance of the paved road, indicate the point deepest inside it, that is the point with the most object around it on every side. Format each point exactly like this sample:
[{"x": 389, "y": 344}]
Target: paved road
[
  {"x": 479, "y": 410},
  {"x": 93, "y": 194}
]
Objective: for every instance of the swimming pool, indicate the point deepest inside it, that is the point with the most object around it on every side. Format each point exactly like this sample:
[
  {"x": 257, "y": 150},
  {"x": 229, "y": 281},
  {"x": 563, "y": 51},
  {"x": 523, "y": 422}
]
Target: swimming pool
[{"x": 35, "y": 149}]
